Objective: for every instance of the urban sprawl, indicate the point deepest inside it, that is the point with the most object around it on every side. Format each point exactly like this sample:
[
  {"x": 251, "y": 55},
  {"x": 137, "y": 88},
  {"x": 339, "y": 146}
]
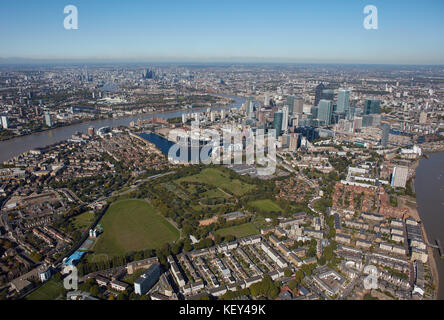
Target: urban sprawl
[{"x": 135, "y": 225}]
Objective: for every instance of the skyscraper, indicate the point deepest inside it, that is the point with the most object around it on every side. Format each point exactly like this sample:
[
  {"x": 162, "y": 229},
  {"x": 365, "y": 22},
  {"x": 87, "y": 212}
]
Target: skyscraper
[
  {"x": 285, "y": 113},
  {"x": 277, "y": 123},
  {"x": 314, "y": 112},
  {"x": 266, "y": 100},
  {"x": 294, "y": 142},
  {"x": 385, "y": 135},
  {"x": 148, "y": 74},
  {"x": 343, "y": 100},
  {"x": 298, "y": 105},
  {"x": 86, "y": 74},
  {"x": 318, "y": 93},
  {"x": 48, "y": 119},
  {"x": 371, "y": 106},
  {"x": 249, "y": 108},
  {"x": 325, "y": 111},
  {"x": 328, "y": 94},
  {"x": 290, "y": 104}
]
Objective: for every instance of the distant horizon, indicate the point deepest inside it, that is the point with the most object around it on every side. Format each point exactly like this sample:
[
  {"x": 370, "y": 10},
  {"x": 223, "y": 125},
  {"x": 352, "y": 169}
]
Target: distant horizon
[
  {"x": 59, "y": 61},
  {"x": 261, "y": 31}
]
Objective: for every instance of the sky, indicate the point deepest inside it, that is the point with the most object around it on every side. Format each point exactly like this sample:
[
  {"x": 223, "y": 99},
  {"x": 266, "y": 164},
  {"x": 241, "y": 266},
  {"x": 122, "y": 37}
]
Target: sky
[{"x": 308, "y": 31}]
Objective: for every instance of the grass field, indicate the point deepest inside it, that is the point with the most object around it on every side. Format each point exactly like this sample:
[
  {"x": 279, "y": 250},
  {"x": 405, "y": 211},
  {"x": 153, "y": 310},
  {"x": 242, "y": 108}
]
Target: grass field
[
  {"x": 266, "y": 205},
  {"x": 48, "y": 291},
  {"x": 133, "y": 225},
  {"x": 240, "y": 231},
  {"x": 215, "y": 193},
  {"x": 217, "y": 178},
  {"x": 83, "y": 220}
]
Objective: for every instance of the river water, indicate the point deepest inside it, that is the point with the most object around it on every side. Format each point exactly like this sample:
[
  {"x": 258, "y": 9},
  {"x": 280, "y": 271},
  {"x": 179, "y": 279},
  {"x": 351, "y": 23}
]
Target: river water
[
  {"x": 16, "y": 146},
  {"x": 429, "y": 185}
]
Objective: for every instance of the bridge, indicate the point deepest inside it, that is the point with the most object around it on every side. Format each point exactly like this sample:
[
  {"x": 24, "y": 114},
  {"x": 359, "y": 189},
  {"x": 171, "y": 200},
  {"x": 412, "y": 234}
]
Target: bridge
[
  {"x": 437, "y": 246},
  {"x": 440, "y": 248}
]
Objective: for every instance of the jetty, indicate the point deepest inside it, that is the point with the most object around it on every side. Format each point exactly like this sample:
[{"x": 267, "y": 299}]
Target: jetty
[{"x": 440, "y": 248}]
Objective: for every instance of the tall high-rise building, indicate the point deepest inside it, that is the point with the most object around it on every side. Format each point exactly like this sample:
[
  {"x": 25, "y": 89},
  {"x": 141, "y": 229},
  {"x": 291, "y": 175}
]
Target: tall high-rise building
[
  {"x": 48, "y": 119},
  {"x": 371, "y": 120},
  {"x": 5, "y": 122},
  {"x": 343, "y": 101},
  {"x": 385, "y": 135},
  {"x": 249, "y": 108},
  {"x": 298, "y": 105},
  {"x": 325, "y": 111},
  {"x": 148, "y": 74},
  {"x": 371, "y": 106},
  {"x": 294, "y": 142},
  {"x": 285, "y": 112},
  {"x": 318, "y": 93},
  {"x": 266, "y": 100},
  {"x": 328, "y": 94},
  {"x": 314, "y": 112},
  {"x": 277, "y": 123},
  {"x": 290, "y": 104}
]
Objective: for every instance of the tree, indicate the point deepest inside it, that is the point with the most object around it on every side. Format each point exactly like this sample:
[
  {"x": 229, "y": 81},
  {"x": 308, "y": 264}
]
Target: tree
[
  {"x": 95, "y": 290},
  {"x": 187, "y": 246},
  {"x": 288, "y": 272},
  {"x": 293, "y": 284}
]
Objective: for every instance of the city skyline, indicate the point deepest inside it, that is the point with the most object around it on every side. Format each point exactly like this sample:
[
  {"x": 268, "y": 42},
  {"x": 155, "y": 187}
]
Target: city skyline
[{"x": 196, "y": 31}]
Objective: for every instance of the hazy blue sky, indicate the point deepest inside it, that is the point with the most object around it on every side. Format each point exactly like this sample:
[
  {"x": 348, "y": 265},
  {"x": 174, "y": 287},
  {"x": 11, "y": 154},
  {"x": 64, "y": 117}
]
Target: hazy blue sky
[{"x": 225, "y": 30}]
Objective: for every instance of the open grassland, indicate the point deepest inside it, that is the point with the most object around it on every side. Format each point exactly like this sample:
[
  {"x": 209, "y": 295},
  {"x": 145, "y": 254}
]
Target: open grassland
[
  {"x": 83, "y": 220},
  {"x": 133, "y": 225},
  {"x": 266, "y": 205},
  {"x": 240, "y": 231},
  {"x": 50, "y": 290},
  {"x": 218, "y": 179}
]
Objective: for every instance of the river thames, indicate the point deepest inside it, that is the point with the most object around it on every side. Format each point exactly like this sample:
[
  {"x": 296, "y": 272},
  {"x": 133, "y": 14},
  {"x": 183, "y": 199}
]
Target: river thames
[
  {"x": 429, "y": 185},
  {"x": 14, "y": 147}
]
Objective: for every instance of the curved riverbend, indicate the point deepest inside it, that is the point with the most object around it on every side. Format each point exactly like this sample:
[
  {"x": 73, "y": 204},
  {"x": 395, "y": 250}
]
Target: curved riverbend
[{"x": 14, "y": 147}]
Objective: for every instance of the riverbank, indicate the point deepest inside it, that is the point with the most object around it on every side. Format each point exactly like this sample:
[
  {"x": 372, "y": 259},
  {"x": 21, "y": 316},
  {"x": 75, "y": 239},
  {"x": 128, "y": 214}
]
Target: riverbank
[
  {"x": 57, "y": 126},
  {"x": 411, "y": 204},
  {"x": 18, "y": 145},
  {"x": 76, "y": 122},
  {"x": 429, "y": 187}
]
